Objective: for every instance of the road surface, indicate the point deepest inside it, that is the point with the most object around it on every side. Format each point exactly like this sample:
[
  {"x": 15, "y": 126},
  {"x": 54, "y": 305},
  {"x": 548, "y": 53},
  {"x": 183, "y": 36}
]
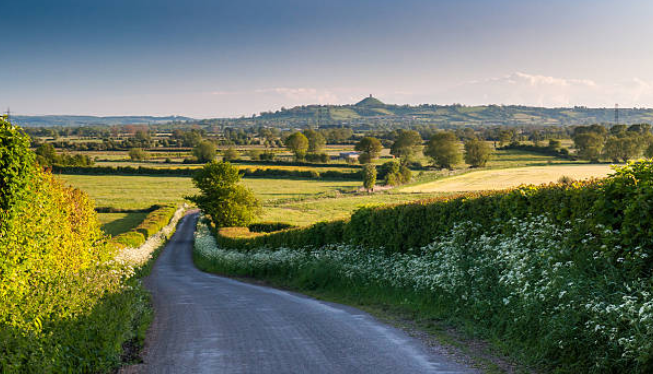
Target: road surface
[{"x": 210, "y": 324}]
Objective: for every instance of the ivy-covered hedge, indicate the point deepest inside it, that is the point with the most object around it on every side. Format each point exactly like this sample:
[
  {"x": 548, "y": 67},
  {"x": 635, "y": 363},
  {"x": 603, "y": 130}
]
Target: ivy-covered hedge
[
  {"x": 189, "y": 172},
  {"x": 65, "y": 307}
]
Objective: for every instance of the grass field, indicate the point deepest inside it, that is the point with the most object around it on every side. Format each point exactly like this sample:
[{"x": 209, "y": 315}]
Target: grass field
[
  {"x": 505, "y": 178},
  {"x": 303, "y": 201},
  {"x": 117, "y": 223},
  {"x": 297, "y": 201}
]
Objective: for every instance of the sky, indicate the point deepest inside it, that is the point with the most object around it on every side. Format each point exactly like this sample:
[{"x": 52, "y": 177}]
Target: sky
[{"x": 212, "y": 58}]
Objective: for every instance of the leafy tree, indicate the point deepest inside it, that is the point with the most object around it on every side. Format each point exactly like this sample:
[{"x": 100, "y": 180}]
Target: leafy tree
[
  {"x": 589, "y": 145},
  {"x": 505, "y": 137},
  {"x": 554, "y": 144},
  {"x": 137, "y": 154},
  {"x": 370, "y": 149},
  {"x": 222, "y": 198},
  {"x": 393, "y": 173},
  {"x": 477, "y": 152},
  {"x": 406, "y": 145},
  {"x": 46, "y": 155},
  {"x": 626, "y": 147},
  {"x": 230, "y": 154},
  {"x": 204, "y": 151},
  {"x": 254, "y": 155},
  {"x": 316, "y": 141},
  {"x": 297, "y": 143},
  {"x": 442, "y": 148},
  {"x": 369, "y": 176}
]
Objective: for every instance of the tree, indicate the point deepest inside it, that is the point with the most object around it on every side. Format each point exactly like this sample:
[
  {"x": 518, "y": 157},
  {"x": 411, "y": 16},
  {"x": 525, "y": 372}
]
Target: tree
[
  {"x": 316, "y": 141},
  {"x": 204, "y": 151},
  {"x": 370, "y": 149},
  {"x": 443, "y": 149},
  {"x": 554, "y": 144},
  {"x": 477, "y": 152},
  {"x": 505, "y": 137},
  {"x": 407, "y": 144},
  {"x": 625, "y": 147},
  {"x": 230, "y": 154},
  {"x": 222, "y": 198},
  {"x": 393, "y": 173},
  {"x": 589, "y": 145},
  {"x": 137, "y": 154},
  {"x": 297, "y": 143},
  {"x": 369, "y": 176},
  {"x": 46, "y": 155}
]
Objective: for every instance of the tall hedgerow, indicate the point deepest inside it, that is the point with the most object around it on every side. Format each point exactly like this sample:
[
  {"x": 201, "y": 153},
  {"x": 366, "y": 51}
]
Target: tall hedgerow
[{"x": 63, "y": 306}]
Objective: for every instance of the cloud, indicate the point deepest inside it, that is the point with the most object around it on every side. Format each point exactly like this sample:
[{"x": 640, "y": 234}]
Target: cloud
[{"x": 542, "y": 90}]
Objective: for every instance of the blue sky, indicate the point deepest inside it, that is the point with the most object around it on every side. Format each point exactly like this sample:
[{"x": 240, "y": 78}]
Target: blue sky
[{"x": 216, "y": 58}]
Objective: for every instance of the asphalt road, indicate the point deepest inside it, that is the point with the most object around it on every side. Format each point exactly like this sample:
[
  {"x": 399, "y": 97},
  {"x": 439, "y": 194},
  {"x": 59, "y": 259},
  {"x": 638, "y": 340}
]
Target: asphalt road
[{"x": 210, "y": 324}]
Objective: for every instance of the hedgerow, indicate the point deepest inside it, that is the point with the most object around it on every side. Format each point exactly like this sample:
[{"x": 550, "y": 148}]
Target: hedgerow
[
  {"x": 559, "y": 274},
  {"x": 189, "y": 172},
  {"x": 65, "y": 305}
]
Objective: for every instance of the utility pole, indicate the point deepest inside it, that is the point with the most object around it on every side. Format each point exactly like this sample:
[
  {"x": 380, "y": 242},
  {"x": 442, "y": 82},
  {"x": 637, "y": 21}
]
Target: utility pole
[
  {"x": 8, "y": 113},
  {"x": 616, "y": 114}
]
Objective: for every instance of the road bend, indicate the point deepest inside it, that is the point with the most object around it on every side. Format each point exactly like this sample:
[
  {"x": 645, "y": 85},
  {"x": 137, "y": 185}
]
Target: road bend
[{"x": 210, "y": 324}]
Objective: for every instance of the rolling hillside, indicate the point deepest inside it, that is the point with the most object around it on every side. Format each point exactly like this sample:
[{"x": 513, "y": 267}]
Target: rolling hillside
[{"x": 372, "y": 109}]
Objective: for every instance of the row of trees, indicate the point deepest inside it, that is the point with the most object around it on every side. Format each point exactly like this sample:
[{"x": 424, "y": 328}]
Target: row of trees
[
  {"x": 442, "y": 148},
  {"x": 618, "y": 143}
]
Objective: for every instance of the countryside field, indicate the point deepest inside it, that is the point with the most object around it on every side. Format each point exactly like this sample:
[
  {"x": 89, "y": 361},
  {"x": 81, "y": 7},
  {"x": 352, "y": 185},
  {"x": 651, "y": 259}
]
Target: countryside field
[
  {"x": 505, "y": 178},
  {"x": 302, "y": 202}
]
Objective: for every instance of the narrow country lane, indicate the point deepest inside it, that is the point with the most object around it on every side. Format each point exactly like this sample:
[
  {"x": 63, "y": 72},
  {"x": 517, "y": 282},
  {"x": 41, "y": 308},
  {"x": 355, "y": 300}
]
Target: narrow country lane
[{"x": 210, "y": 324}]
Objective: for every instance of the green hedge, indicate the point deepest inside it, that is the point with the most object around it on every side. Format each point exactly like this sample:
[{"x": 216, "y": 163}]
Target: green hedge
[
  {"x": 153, "y": 223},
  {"x": 65, "y": 307},
  {"x": 189, "y": 172},
  {"x": 401, "y": 227}
]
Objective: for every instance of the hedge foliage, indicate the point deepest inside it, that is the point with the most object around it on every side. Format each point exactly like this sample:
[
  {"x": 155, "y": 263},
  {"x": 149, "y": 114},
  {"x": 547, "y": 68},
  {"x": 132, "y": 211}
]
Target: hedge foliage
[
  {"x": 64, "y": 306},
  {"x": 189, "y": 172},
  {"x": 621, "y": 202},
  {"x": 560, "y": 275},
  {"x": 153, "y": 223}
]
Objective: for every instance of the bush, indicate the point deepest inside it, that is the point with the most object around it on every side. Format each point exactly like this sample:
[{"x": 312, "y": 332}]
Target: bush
[{"x": 317, "y": 157}]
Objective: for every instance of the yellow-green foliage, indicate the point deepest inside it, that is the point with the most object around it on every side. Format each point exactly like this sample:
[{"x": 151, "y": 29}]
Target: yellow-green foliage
[
  {"x": 153, "y": 223},
  {"x": 64, "y": 307}
]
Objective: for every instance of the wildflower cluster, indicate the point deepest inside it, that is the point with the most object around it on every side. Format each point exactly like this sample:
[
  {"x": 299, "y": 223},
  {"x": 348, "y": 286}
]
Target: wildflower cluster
[{"x": 556, "y": 299}]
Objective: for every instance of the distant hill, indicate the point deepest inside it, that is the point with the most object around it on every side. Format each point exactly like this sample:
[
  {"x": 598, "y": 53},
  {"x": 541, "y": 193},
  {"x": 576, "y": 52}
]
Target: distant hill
[
  {"x": 56, "y": 120},
  {"x": 370, "y": 101},
  {"x": 372, "y": 110}
]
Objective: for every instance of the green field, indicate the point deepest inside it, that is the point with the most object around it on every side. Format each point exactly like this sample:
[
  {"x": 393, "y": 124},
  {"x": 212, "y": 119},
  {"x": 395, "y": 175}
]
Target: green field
[
  {"x": 304, "y": 201},
  {"x": 297, "y": 201},
  {"x": 117, "y": 223}
]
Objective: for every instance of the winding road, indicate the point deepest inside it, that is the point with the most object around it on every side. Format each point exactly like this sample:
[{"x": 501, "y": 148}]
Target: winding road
[{"x": 210, "y": 324}]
